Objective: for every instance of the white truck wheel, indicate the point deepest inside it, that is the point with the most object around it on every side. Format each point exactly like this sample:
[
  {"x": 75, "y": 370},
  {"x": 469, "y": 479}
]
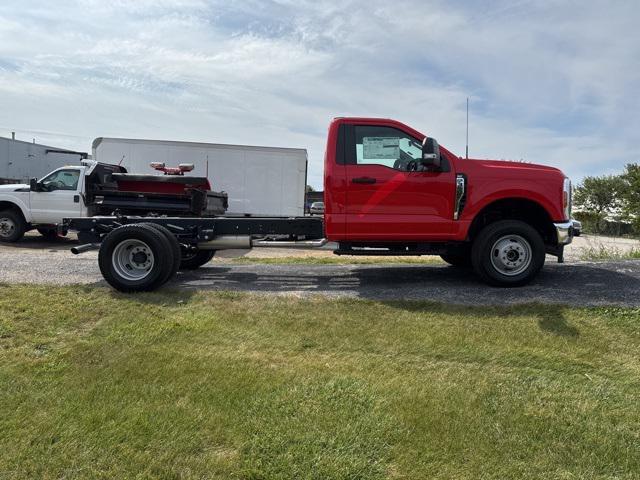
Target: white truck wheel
[{"x": 12, "y": 226}]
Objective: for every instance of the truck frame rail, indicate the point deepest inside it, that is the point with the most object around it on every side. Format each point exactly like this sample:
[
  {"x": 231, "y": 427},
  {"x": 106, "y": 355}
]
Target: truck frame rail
[{"x": 196, "y": 230}]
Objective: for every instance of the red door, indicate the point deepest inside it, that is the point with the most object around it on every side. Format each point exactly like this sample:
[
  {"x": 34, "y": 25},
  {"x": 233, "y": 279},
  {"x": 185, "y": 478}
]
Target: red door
[{"x": 386, "y": 200}]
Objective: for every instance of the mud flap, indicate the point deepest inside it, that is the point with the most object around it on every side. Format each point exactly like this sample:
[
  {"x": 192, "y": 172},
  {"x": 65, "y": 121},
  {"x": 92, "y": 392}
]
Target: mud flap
[{"x": 557, "y": 251}]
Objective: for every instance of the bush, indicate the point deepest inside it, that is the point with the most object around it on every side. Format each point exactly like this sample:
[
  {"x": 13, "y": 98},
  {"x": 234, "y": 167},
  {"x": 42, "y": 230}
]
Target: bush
[{"x": 594, "y": 223}]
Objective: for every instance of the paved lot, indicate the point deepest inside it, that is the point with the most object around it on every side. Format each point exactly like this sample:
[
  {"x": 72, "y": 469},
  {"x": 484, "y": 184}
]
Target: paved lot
[{"x": 576, "y": 283}]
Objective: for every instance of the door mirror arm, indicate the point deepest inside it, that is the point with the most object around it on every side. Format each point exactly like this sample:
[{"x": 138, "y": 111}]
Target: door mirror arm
[
  {"x": 35, "y": 186},
  {"x": 431, "y": 158}
]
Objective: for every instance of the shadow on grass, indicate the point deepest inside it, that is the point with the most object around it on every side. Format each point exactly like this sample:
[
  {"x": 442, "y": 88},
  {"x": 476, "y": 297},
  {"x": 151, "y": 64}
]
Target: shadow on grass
[
  {"x": 163, "y": 297},
  {"x": 551, "y": 318}
]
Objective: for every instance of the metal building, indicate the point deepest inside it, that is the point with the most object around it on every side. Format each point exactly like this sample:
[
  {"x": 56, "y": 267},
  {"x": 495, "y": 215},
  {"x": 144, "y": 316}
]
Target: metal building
[{"x": 20, "y": 161}]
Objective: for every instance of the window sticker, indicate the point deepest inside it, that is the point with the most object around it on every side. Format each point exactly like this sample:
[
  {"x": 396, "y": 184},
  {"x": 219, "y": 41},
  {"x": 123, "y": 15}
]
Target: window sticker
[{"x": 381, "y": 148}]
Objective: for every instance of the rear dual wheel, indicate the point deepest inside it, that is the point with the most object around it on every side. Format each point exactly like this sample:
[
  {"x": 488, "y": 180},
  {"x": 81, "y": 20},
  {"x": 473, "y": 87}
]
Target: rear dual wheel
[
  {"x": 196, "y": 259},
  {"x": 175, "y": 248},
  {"x": 138, "y": 257}
]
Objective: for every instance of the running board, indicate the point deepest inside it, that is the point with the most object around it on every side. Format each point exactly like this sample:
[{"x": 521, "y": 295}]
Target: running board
[
  {"x": 384, "y": 253},
  {"x": 290, "y": 244},
  {"x": 423, "y": 249}
]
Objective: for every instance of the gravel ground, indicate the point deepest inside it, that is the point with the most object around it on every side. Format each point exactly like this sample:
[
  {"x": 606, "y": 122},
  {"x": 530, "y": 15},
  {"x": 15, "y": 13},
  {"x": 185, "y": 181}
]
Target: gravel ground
[{"x": 574, "y": 283}]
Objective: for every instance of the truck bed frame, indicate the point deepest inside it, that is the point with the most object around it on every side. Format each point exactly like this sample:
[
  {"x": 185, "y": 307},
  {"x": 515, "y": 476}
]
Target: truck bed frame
[{"x": 191, "y": 231}]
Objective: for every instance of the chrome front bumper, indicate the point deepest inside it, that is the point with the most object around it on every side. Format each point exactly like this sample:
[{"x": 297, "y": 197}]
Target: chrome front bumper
[{"x": 564, "y": 230}]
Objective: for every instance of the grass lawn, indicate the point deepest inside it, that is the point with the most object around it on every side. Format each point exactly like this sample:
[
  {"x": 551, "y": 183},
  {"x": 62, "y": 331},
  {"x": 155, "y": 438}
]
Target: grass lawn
[{"x": 95, "y": 384}]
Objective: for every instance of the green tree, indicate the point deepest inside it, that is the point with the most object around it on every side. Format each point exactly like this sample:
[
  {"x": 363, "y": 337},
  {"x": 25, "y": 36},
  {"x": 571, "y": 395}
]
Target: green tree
[
  {"x": 631, "y": 194},
  {"x": 310, "y": 189},
  {"x": 600, "y": 196}
]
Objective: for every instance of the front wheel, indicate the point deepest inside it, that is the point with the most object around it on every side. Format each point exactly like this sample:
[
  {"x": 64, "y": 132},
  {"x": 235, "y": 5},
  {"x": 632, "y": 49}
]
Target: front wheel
[
  {"x": 458, "y": 258},
  {"x": 508, "y": 253},
  {"x": 12, "y": 226},
  {"x": 51, "y": 233}
]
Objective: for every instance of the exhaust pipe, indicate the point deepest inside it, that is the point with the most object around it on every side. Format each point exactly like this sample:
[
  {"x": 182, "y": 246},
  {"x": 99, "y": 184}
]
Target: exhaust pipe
[
  {"x": 227, "y": 242},
  {"x": 84, "y": 248}
]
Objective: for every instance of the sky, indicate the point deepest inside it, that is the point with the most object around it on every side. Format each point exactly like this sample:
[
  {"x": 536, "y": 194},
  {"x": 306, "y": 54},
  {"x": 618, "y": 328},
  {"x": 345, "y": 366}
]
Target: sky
[{"x": 551, "y": 82}]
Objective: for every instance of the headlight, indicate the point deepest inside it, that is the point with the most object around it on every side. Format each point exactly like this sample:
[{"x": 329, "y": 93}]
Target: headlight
[{"x": 566, "y": 198}]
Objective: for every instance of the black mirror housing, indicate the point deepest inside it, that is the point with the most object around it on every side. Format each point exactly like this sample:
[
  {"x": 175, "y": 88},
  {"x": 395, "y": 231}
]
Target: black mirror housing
[
  {"x": 431, "y": 153},
  {"x": 33, "y": 185}
]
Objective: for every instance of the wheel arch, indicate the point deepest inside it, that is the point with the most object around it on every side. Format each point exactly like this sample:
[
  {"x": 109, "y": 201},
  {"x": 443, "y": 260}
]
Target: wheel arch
[
  {"x": 15, "y": 206},
  {"x": 515, "y": 208}
]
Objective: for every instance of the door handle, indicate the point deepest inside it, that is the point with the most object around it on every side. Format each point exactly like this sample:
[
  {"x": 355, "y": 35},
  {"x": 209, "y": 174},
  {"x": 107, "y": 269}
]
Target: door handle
[{"x": 366, "y": 180}]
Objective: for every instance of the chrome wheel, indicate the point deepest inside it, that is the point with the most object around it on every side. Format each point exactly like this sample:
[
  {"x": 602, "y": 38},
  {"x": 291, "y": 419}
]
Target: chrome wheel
[
  {"x": 132, "y": 259},
  {"x": 7, "y": 227},
  {"x": 511, "y": 255}
]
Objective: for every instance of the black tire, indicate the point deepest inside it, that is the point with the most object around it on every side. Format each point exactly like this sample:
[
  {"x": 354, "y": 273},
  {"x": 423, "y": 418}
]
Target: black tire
[
  {"x": 12, "y": 226},
  {"x": 193, "y": 261},
  {"x": 151, "y": 238},
  {"x": 460, "y": 259},
  {"x": 508, "y": 237},
  {"x": 175, "y": 248}
]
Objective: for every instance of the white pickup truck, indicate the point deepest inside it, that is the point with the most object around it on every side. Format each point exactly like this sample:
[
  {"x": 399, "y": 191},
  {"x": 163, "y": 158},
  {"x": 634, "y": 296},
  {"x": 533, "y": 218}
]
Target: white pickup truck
[
  {"x": 43, "y": 204},
  {"x": 94, "y": 188}
]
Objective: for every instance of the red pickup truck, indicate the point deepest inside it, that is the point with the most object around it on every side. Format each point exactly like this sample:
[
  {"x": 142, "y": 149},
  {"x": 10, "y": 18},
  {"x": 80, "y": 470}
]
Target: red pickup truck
[{"x": 389, "y": 190}]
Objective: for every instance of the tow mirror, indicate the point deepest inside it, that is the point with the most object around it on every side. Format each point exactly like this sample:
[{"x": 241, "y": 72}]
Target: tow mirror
[
  {"x": 430, "y": 153},
  {"x": 34, "y": 186}
]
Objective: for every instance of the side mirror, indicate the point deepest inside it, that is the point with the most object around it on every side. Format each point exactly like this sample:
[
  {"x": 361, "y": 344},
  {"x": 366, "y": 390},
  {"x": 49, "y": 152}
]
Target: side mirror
[
  {"x": 34, "y": 186},
  {"x": 430, "y": 153}
]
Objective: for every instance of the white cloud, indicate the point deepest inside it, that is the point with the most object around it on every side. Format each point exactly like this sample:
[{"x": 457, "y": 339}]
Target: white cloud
[{"x": 554, "y": 83}]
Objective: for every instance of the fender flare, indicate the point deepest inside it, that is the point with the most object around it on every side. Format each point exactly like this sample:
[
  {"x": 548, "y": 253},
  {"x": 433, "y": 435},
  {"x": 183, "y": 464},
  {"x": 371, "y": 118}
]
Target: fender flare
[
  {"x": 514, "y": 194},
  {"x": 16, "y": 202},
  {"x": 538, "y": 201}
]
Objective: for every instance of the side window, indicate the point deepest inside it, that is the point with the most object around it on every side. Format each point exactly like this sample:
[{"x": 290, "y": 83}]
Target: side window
[
  {"x": 386, "y": 146},
  {"x": 62, "y": 180}
]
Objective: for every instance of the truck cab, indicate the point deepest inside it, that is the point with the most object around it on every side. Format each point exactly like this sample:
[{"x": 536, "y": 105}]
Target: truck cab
[
  {"x": 390, "y": 189},
  {"x": 43, "y": 204},
  {"x": 57, "y": 195}
]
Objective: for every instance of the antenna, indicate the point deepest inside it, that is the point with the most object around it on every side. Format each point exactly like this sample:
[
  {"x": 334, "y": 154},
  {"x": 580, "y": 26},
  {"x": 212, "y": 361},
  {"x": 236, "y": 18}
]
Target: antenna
[{"x": 467, "y": 144}]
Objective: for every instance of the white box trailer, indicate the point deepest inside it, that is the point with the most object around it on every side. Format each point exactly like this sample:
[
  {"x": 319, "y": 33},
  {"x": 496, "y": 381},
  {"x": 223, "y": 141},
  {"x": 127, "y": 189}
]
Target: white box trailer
[{"x": 259, "y": 180}]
